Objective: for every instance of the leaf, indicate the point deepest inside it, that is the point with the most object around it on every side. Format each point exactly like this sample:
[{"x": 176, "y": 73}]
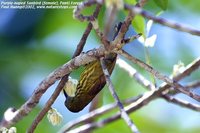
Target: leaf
[
  {"x": 139, "y": 25},
  {"x": 132, "y": 2},
  {"x": 162, "y": 4},
  {"x": 138, "y": 22}
]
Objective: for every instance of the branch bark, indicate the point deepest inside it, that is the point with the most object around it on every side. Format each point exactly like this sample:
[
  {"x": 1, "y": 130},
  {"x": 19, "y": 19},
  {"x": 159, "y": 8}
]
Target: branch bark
[
  {"x": 137, "y": 102},
  {"x": 123, "y": 113}
]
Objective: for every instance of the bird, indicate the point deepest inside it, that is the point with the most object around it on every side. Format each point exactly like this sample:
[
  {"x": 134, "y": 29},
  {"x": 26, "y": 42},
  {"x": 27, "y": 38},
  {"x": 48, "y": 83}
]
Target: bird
[{"x": 92, "y": 81}]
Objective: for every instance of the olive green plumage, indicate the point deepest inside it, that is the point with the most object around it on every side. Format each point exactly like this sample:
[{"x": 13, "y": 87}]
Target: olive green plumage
[{"x": 91, "y": 82}]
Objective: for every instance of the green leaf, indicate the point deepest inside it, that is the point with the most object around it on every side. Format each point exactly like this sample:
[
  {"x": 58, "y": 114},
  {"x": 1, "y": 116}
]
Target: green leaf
[
  {"x": 139, "y": 25},
  {"x": 138, "y": 22},
  {"x": 132, "y": 2},
  {"x": 162, "y": 4}
]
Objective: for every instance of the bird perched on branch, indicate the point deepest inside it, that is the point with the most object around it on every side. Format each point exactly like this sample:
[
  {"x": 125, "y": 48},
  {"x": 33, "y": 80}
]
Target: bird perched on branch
[{"x": 91, "y": 81}]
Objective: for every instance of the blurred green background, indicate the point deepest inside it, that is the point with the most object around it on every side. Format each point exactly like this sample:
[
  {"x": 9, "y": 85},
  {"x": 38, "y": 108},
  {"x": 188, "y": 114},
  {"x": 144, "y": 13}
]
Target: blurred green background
[{"x": 35, "y": 42}]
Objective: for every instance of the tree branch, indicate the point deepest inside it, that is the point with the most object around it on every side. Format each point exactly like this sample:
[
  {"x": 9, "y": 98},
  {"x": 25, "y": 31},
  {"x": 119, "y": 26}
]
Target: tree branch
[
  {"x": 147, "y": 84},
  {"x": 124, "y": 115},
  {"x": 137, "y": 76},
  {"x": 77, "y": 12},
  {"x": 95, "y": 113},
  {"x": 71, "y": 65},
  {"x": 163, "y": 21},
  {"x": 193, "y": 85},
  {"x": 182, "y": 103},
  {"x": 136, "y": 103},
  {"x": 160, "y": 76}
]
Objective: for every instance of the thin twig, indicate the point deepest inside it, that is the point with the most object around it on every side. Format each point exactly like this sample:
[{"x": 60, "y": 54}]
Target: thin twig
[
  {"x": 189, "y": 86},
  {"x": 77, "y": 11},
  {"x": 100, "y": 34},
  {"x": 156, "y": 93},
  {"x": 124, "y": 115},
  {"x": 159, "y": 75},
  {"x": 125, "y": 25},
  {"x": 142, "y": 2},
  {"x": 163, "y": 21},
  {"x": 182, "y": 103},
  {"x": 137, "y": 76},
  {"x": 124, "y": 29},
  {"x": 147, "y": 84},
  {"x": 193, "y": 85},
  {"x": 47, "y": 106},
  {"x": 129, "y": 39}
]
